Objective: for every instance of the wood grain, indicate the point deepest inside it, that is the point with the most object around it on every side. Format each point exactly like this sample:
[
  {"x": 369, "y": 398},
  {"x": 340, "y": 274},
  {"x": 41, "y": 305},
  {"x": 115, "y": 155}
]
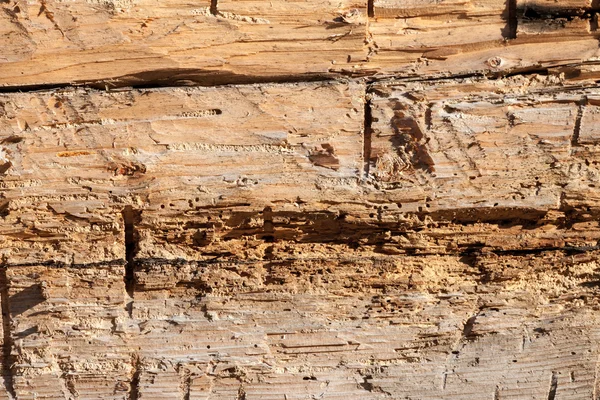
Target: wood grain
[
  {"x": 122, "y": 42},
  {"x": 395, "y": 199}
]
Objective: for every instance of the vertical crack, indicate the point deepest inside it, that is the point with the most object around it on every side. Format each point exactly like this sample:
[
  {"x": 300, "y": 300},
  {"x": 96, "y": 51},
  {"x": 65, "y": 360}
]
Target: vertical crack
[
  {"x": 130, "y": 218},
  {"x": 7, "y": 344},
  {"x": 371, "y": 8},
  {"x": 510, "y": 30},
  {"x": 214, "y": 7},
  {"x": 577, "y": 127},
  {"x": 553, "y": 386},
  {"x": 134, "y": 385},
  {"x": 241, "y": 395},
  {"x": 444, "y": 380},
  {"x": 367, "y": 132},
  {"x": 186, "y": 382},
  {"x": 268, "y": 235}
]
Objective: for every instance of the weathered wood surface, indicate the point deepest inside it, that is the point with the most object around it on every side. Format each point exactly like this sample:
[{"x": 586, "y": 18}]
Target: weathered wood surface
[
  {"x": 415, "y": 327},
  {"x": 289, "y": 162},
  {"x": 262, "y": 242},
  {"x": 413, "y": 218},
  {"x": 120, "y": 43}
]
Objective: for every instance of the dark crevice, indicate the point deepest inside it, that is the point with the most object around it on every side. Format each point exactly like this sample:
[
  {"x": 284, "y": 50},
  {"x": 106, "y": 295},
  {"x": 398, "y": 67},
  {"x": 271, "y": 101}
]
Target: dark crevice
[
  {"x": 7, "y": 344},
  {"x": 368, "y": 133},
  {"x": 60, "y": 264},
  {"x": 553, "y": 386},
  {"x": 569, "y": 250},
  {"x": 130, "y": 218},
  {"x": 428, "y": 116},
  {"x": 550, "y": 12},
  {"x": 241, "y": 395},
  {"x": 510, "y": 30},
  {"x": 214, "y": 7},
  {"x": 336, "y": 231},
  {"x": 268, "y": 230},
  {"x": 187, "y": 386},
  {"x": 174, "y": 77},
  {"x": 466, "y": 253},
  {"x": 4, "y": 207},
  {"x": 371, "y": 8},
  {"x": 468, "y": 326},
  {"x": 134, "y": 384},
  {"x": 335, "y": 228},
  {"x": 594, "y": 22},
  {"x": 366, "y": 385},
  {"x": 577, "y": 127}
]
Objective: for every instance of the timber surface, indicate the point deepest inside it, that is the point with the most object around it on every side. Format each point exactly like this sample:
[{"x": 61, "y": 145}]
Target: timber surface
[{"x": 394, "y": 199}]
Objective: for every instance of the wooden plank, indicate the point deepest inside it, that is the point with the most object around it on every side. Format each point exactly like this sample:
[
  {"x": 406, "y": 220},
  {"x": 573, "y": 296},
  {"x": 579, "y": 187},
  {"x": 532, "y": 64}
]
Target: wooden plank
[
  {"x": 120, "y": 43},
  {"x": 467, "y": 37},
  {"x": 76, "y": 158},
  {"x": 449, "y": 326},
  {"x": 95, "y": 145},
  {"x": 413, "y": 237},
  {"x": 471, "y": 144},
  {"x": 440, "y": 348},
  {"x": 225, "y": 170}
]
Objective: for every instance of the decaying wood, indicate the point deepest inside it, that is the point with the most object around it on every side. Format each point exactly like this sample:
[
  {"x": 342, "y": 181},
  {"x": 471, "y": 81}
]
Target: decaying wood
[
  {"x": 299, "y": 200},
  {"x": 124, "y": 42},
  {"x": 120, "y": 43}
]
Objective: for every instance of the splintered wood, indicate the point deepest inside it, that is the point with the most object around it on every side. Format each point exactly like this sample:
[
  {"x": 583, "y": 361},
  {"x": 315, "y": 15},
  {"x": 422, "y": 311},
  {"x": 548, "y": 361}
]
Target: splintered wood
[
  {"x": 274, "y": 257},
  {"x": 124, "y": 42},
  {"x": 393, "y": 199}
]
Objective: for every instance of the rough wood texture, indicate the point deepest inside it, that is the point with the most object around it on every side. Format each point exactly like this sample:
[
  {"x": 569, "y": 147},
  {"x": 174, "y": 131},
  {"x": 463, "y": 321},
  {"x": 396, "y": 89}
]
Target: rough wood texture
[
  {"x": 420, "y": 38},
  {"x": 330, "y": 200},
  {"x": 123, "y": 42},
  {"x": 120, "y": 43}
]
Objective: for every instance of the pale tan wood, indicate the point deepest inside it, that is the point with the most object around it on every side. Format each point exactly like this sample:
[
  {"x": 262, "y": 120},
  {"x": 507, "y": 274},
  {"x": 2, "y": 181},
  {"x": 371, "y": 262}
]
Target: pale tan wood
[
  {"x": 93, "y": 144},
  {"x": 428, "y": 8},
  {"x": 414, "y": 39},
  {"x": 590, "y": 123},
  {"x": 225, "y": 170},
  {"x": 118, "y": 43},
  {"x": 130, "y": 43},
  {"x": 475, "y": 144},
  {"x": 67, "y": 332},
  {"x": 370, "y": 238},
  {"x": 450, "y": 327}
]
